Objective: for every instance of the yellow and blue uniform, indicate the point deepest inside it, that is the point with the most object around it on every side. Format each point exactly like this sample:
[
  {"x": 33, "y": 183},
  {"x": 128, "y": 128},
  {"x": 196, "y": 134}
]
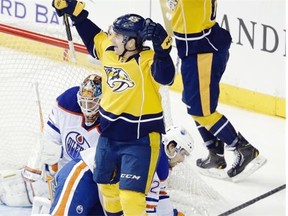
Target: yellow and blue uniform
[
  {"x": 131, "y": 119},
  {"x": 203, "y": 47},
  {"x": 131, "y": 105},
  {"x": 195, "y": 29}
]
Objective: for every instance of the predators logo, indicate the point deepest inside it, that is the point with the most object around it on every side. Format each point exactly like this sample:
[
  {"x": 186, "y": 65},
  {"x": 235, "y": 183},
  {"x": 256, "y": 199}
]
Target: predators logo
[{"x": 118, "y": 79}]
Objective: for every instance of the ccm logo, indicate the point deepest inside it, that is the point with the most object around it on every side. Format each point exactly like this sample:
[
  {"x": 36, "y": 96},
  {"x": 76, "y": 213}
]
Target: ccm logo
[{"x": 130, "y": 176}]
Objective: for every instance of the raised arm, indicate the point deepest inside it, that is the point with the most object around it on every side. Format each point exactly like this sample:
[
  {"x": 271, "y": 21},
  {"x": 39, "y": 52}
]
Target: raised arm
[
  {"x": 163, "y": 69},
  {"x": 75, "y": 10}
]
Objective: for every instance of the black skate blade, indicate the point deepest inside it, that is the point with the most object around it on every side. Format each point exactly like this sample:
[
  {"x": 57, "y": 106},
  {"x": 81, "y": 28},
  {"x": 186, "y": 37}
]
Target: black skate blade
[{"x": 252, "y": 167}]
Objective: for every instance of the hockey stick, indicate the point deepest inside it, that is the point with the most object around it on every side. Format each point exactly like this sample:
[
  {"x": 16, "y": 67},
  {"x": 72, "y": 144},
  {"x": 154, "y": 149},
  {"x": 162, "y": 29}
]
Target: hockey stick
[
  {"x": 69, "y": 37},
  {"x": 38, "y": 104},
  {"x": 34, "y": 85},
  {"x": 252, "y": 201}
]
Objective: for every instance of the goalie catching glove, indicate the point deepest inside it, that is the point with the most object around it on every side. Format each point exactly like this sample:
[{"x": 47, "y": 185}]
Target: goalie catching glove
[
  {"x": 46, "y": 152},
  {"x": 74, "y": 9},
  {"x": 162, "y": 42}
]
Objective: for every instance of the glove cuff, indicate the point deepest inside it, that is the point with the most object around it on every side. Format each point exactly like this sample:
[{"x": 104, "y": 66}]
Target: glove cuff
[
  {"x": 161, "y": 53},
  {"x": 78, "y": 8},
  {"x": 78, "y": 19}
]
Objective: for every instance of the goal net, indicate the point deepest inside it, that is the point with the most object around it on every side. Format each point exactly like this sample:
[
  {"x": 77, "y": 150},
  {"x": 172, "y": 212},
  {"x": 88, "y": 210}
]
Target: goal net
[
  {"x": 28, "y": 59},
  {"x": 193, "y": 196}
]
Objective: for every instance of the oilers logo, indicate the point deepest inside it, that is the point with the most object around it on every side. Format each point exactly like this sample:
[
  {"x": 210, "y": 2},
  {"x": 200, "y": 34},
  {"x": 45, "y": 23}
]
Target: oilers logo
[
  {"x": 79, "y": 209},
  {"x": 118, "y": 79},
  {"x": 74, "y": 143}
]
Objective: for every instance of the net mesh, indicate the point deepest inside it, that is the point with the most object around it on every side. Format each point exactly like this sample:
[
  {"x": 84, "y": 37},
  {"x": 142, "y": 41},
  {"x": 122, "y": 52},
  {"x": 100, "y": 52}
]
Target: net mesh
[
  {"x": 22, "y": 63},
  {"x": 191, "y": 195}
]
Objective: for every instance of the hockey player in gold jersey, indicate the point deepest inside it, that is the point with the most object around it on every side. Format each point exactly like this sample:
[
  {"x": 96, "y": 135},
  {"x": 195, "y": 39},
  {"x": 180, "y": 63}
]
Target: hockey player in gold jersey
[
  {"x": 203, "y": 47},
  {"x": 131, "y": 115}
]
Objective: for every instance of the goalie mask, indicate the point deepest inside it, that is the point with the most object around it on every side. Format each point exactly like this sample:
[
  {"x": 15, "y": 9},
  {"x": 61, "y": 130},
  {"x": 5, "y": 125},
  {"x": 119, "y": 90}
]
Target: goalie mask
[
  {"x": 88, "y": 98},
  {"x": 180, "y": 137}
]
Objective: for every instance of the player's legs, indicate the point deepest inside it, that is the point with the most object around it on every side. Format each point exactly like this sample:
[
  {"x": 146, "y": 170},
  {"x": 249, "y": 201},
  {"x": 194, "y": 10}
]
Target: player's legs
[
  {"x": 111, "y": 199},
  {"x": 76, "y": 192},
  {"x": 215, "y": 158},
  {"x": 201, "y": 75},
  {"x": 138, "y": 166},
  {"x": 133, "y": 202},
  {"x": 107, "y": 160},
  {"x": 138, "y": 163},
  {"x": 106, "y": 175}
]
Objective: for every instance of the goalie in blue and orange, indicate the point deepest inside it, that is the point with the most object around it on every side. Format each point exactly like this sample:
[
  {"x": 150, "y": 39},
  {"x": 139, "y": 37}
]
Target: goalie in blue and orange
[{"x": 72, "y": 126}]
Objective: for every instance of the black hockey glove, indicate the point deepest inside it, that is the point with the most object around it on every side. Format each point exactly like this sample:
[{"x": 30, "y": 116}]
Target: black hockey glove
[
  {"x": 162, "y": 42},
  {"x": 75, "y": 9}
]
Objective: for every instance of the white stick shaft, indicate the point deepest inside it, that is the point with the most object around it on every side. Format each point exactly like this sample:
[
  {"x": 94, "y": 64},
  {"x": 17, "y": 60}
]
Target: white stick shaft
[
  {"x": 72, "y": 50},
  {"x": 38, "y": 104}
]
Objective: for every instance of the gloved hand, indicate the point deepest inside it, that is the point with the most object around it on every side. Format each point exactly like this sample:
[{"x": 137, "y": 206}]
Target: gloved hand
[
  {"x": 162, "y": 42},
  {"x": 74, "y": 9},
  {"x": 70, "y": 7}
]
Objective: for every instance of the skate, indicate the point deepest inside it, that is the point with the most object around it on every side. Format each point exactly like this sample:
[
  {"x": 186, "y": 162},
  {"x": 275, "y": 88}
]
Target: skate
[
  {"x": 245, "y": 154},
  {"x": 214, "y": 164}
]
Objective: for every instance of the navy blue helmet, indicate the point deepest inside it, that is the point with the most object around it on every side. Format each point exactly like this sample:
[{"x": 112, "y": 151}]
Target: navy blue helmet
[{"x": 132, "y": 26}]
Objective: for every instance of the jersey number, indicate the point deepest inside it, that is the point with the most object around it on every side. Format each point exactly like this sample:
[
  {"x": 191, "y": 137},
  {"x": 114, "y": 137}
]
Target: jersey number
[{"x": 154, "y": 185}]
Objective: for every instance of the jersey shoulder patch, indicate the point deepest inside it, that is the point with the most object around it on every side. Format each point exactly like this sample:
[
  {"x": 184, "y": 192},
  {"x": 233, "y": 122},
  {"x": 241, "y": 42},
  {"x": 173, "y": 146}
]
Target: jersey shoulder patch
[{"x": 68, "y": 100}]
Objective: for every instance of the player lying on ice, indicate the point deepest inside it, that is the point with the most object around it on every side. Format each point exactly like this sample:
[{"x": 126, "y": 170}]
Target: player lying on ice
[
  {"x": 77, "y": 194},
  {"x": 72, "y": 126}
]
